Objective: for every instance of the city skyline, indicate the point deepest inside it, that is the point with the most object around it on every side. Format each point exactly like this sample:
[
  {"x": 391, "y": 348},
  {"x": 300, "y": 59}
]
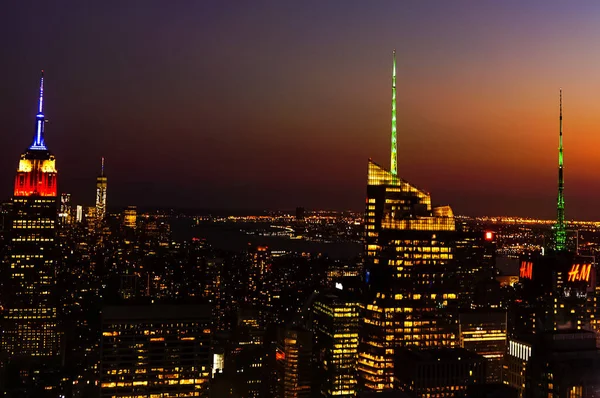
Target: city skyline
[{"x": 286, "y": 153}]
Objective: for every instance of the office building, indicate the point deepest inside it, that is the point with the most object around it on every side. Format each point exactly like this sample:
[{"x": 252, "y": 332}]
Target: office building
[
  {"x": 484, "y": 332},
  {"x": 155, "y": 351},
  {"x": 293, "y": 363},
  {"x": 562, "y": 364},
  {"x": 515, "y": 363},
  {"x": 101, "y": 185},
  {"x": 409, "y": 252},
  {"x": 65, "y": 216},
  {"x": 437, "y": 373},
  {"x": 79, "y": 214},
  {"x": 335, "y": 326},
  {"x": 130, "y": 217},
  {"x": 30, "y": 338}
]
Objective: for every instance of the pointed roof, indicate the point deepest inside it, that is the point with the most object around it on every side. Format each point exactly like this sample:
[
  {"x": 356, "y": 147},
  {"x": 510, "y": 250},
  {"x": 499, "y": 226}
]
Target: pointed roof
[
  {"x": 560, "y": 232},
  {"x": 394, "y": 159},
  {"x": 38, "y": 139}
]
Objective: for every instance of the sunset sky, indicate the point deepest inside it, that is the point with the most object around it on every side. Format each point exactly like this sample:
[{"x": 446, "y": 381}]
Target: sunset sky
[{"x": 278, "y": 104}]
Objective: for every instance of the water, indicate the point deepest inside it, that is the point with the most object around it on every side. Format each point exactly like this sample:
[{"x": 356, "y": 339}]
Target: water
[{"x": 229, "y": 237}]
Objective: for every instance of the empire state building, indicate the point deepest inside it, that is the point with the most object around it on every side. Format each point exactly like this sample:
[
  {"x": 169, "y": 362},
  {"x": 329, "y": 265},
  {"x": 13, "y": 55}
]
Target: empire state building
[{"x": 29, "y": 318}]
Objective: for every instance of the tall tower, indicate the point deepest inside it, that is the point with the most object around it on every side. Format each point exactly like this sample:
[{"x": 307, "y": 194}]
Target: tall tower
[
  {"x": 30, "y": 319},
  {"x": 101, "y": 184},
  {"x": 409, "y": 251},
  {"x": 560, "y": 233},
  {"x": 394, "y": 160}
]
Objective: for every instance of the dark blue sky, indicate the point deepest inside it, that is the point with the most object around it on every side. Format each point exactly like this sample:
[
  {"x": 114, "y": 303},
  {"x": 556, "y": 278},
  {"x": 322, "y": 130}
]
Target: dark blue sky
[{"x": 271, "y": 104}]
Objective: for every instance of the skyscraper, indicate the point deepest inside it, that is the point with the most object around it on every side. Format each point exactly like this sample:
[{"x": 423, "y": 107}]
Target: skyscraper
[
  {"x": 335, "y": 324},
  {"x": 66, "y": 210},
  {"x": 130, "y": 217},
  {"x": 101, "y": 185},
  {"x": 259, "y": 292},
  {"x": 293, "y": 357},
  {"x": 409, "y": 247},
  {"x": 29, "y": 328}
]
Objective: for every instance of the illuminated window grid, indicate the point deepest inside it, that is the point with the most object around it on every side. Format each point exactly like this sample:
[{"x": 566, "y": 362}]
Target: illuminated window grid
[
  {"x": 164, "y": 353},
  {"x": 336, "y": 327}
]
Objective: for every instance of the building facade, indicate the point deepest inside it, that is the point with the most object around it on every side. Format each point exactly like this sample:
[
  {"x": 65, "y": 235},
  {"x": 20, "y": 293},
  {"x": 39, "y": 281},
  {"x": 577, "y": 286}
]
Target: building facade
[
  {"x": 293, "y": 358},
  {"x": 101, "y": 186},
  {"x": 335, "y": 326},
  {"x": 155, "y": 350}
]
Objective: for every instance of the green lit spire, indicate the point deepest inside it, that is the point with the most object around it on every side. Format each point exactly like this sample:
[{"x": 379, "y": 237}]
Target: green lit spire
[
  {"x": 560, "y": 233},
  {"x": 394, "y": 162}
]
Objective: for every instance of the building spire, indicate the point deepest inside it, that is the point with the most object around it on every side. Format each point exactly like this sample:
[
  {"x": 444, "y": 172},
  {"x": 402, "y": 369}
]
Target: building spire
[
  {"x": 38, "y": 139},
  {"x": 560, "y": 233},
  {"x": 102, "y": 169},
  {"x": 394, "y": 161}
]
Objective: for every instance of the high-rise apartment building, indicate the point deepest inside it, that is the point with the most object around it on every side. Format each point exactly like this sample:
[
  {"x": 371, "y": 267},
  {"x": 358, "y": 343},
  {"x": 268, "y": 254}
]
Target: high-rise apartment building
[
  {"x": 101, "y": 185},
  {"x": 29, "y": 326},
  {"x": 259, "y": 278},
  {"x": 409, "y": 250},
  {"x": 335, "y": 326},
  {"x": 213, "y": 287},
  {"x": 155, "y": 351}
]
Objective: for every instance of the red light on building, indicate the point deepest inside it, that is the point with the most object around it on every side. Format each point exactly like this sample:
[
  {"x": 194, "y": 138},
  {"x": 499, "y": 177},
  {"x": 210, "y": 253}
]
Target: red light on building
[
  {"x": 489, "y": 235},
  {"x": 526, "y": 270},
  {"x": 279, "y": 355},
  {"x": 580, "y": 272}
]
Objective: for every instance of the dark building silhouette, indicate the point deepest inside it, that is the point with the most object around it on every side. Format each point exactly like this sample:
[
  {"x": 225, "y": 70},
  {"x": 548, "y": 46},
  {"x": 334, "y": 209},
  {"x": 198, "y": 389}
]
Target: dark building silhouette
[
  {"x": 557, "y": 364},
  {"x": 437, "y": 373}
]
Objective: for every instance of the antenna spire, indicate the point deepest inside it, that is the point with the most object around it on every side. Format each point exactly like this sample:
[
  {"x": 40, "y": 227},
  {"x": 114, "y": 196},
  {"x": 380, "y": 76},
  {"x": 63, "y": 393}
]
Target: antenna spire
[
  {"x": 102, "y": 169},
  {"x": 38, "y": 139},
  {"x": 394, "y": 160},
  {"x": 560, "y": 233}
]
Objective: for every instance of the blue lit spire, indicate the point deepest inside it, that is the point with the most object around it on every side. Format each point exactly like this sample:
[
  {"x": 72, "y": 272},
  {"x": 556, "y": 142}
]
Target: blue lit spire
[{"x": 38, "y": 140}]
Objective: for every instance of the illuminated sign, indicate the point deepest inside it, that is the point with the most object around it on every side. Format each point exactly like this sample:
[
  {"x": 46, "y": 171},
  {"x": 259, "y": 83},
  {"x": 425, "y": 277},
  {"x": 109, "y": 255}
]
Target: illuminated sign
[
  {"x": 489, "y": 235},
  {"x": 339, "y": 286},
  {"x": 526, "y": 270},
  {"x": 580, "y": 272}
]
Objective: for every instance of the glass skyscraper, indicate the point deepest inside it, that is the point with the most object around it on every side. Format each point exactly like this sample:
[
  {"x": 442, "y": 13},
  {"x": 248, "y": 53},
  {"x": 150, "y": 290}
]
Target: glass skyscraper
[{"x": 409, "y": 254}]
